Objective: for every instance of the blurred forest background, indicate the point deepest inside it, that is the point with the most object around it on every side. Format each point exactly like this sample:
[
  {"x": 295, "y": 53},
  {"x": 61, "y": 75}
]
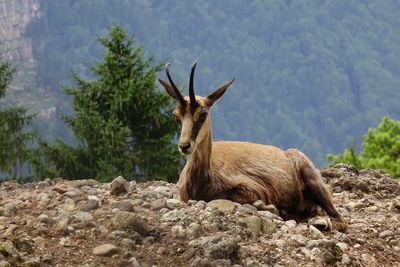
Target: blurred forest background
[{"x": 309, "y": 74}]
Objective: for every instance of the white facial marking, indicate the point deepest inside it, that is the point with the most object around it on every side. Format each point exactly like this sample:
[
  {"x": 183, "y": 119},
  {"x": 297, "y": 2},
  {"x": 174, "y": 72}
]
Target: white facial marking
[{"x": 187, "y": 126}]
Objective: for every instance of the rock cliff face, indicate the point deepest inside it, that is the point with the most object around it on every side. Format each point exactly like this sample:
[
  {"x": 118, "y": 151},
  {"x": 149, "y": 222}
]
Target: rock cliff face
[
  {"x": 15, "y": 15},
  {"x": 87, "y": 223}
]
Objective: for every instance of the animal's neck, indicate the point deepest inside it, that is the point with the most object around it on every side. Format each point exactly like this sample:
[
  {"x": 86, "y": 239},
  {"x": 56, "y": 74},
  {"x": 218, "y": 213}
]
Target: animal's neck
[
  {"x": 201, "y": 157},
  {"x": 198, "y": 171}
]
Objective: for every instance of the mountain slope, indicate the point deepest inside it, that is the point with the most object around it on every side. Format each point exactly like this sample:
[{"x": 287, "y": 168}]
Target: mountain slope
[{"x": 309, "y": 74}]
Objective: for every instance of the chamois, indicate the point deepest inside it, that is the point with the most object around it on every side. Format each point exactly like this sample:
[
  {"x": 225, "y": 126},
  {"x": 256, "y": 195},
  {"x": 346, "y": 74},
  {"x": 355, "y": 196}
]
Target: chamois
[{"x": 241, "y": 171}]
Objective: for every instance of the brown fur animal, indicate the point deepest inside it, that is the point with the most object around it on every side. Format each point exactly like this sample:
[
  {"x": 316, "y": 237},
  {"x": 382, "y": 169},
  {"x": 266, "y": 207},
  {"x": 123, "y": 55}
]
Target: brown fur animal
[{"x": 240, "y": 171}]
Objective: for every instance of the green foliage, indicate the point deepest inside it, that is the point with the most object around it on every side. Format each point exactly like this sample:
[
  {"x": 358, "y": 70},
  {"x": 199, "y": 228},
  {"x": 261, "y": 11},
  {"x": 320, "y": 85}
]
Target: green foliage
[
  {"x": 121, "y": 121},
  {"x": 6, "y": 73},
  {"x": 14, "y": 136},
  {"x": 348, "y": 156},
  {"x": 381, "y": 149}
]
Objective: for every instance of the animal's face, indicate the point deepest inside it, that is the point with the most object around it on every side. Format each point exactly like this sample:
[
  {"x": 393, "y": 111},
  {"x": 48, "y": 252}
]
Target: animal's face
[
  {"x": 192, "y": 112},
  {"x": 195, "y": 124}
]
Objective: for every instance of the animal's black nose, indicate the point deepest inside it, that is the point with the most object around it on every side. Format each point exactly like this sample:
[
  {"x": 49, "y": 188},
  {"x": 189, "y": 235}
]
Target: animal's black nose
[{"x": 184, "y": 147}]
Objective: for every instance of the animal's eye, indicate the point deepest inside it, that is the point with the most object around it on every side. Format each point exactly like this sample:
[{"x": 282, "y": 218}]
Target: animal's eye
[
  {"x": 203, "y": 115},
  {"x": 176, "y": 117}
]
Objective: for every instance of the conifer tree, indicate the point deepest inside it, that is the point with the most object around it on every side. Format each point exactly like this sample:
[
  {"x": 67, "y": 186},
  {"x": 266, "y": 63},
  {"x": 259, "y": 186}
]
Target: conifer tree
[
  {"x": 14, "y": 136},
  {"x": 120, "y": 120}
]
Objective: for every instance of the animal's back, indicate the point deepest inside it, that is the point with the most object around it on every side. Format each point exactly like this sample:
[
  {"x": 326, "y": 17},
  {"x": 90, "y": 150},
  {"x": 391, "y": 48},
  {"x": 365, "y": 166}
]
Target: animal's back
[
  {"x": 233, "y": 154},
  {"x": 265, "y": 164}
]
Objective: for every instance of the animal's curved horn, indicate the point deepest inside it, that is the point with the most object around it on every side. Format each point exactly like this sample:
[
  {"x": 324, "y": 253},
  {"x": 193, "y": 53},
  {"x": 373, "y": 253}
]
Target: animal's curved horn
[
  {"x": 192, "y": 96},
  {"x": 178, "y": 94}
]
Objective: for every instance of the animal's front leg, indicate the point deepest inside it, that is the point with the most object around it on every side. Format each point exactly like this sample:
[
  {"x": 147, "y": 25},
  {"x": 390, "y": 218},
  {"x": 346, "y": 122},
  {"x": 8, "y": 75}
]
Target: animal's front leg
[
  {"x": 244, "y": 195},
  {"x": 242, "y": 190}
]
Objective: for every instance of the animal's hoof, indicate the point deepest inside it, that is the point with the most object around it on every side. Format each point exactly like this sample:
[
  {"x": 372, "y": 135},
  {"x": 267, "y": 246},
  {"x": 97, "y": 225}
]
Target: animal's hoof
[
  {"x": 260, "y": 205},
  {"x": 340, "y": 225},
  {"x": 322, "y": 223}
]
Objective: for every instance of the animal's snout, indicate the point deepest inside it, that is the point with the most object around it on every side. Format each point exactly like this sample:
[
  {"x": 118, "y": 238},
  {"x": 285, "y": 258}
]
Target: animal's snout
[{"x": 185, "y": 147}]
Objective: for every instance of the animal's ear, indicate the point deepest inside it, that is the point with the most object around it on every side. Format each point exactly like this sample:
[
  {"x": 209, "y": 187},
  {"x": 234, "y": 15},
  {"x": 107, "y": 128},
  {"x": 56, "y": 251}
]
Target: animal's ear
[
  {"x": 169, "y": 89},
  {"x": 213, "y": 97}
]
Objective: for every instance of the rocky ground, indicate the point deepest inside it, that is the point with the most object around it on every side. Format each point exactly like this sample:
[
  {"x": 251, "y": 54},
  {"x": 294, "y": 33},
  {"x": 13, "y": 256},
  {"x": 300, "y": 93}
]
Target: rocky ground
[{"x": 86, "y": 223}]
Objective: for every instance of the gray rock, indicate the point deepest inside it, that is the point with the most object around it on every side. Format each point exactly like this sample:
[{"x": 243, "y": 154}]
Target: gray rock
[
  {"x": 80, "y": 183},
  {"x": 346, "y": 260},
  {"x": 372, "y": 208},
  {"x": 106, "y": 250},
  {"x": 174, "y": 215},
  {"x": 251, "y": 263},
  {"x": 7, "y": 248},
  {"x": 222, "y": 247},
  {"x": 280, "y": 243},
  {"x": 164, "y": 191},
  {"x": 148, "y": 194},
  {"x": 268, "y": 226},
  {"x": 118, "y": 235},
  {"x": 386, "y": 233},
  {"x": 136, "y": 202},
  {"x": 329, "y": 258},
  {"x": 173, "y": 203},
  {"x": 130, "y": 221},
  {"x": 42, "y": 197},
  {"x": 224, "y": 205},
  {"x": 246, "y": 209},
  {"x": 291, "y": 224},
  {"x": 193, "y": 231},
  {"x": 5, "y": 264},
  {"x": 355, "y": 205},
  {"x": 201, "y": 205},
  {"x": 10, "y": 209},
  {"x": 178, "y": 231},
  {"x": 362, "y": 186},
  {"x": 33, "y": 262},
  {"x": 269, "y": 215},
  {"x": 321, "y": 243},
  {"x": 128, "y": 243},
  {"x": 271, "y": 208},
  {"x": 74, "y": 193},
  {"x": 249, "y": 207},
  {"x": 342, "y": 246},
  {"x": 83, "y": 216},
  {"x": 315, "y": 233},
  {"x": 259, "y": 204},
  {"x": 299, "y": 240},
  {"x": 45, "y": 219},
  {"x": 89, "y": 190},
  {"x": 69, "y": 204},
  {"x": 148, "y": 241},
  {"x": 329, "y": 252},
  {"x": 131, "y": 262},
  {"x": 119, "y": 186},
  {"x": 158, "y": 204},
  {"x": 124, "y": 205},
  {"x": 201, "y": 262},
  {"x": 254, "y": 224},
  {"x": 39, "y": 242},
  {"x": 315, "y": 253},
  {"x": 89, "y": 205},
  {"x": 368, "y": 259},
  {"x": 189, "y": 253},
  {"x": 62, "y": 220}
]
